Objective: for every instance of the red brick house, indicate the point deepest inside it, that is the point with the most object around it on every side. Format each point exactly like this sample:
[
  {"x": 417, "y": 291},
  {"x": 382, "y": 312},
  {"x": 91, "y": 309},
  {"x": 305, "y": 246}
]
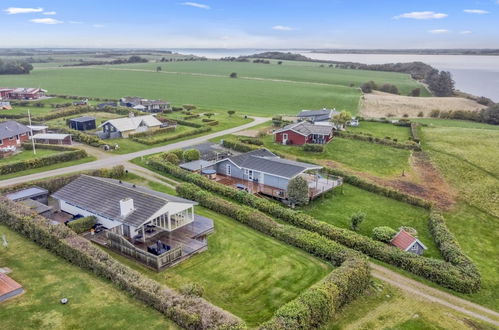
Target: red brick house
[
  {"x": 304, "y": 132},
  {"x": 4, "y": 92},
  {"x": 13, "y": 134}
]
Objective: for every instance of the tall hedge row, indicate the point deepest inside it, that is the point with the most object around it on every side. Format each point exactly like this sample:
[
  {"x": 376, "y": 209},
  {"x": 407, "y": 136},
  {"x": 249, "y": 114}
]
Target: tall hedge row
[
  {"x": 158, "y": 139},
  {"x": 83, "y": 137},
  {"x": 27, "y": 164},
  {"x": 317, "y": 304},
  {"x": 445, "y": 273},
  {"x": 153, "y": 132},
  {"x": 187, "y": 311}
]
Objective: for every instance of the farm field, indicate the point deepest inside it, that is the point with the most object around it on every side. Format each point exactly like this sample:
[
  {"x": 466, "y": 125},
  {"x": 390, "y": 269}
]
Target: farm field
[
  {"x": 245, "y": 272},
  {"x": 337, "y": 206},
  {"x": 93, "y": 303},
  {"x": 356, "y": 155},
  {"x": 258, "y": 97},
  {"x": 382, "y": 130},
  {"x": 288, "y": 70},
  {"x": 436, "y": 122}
]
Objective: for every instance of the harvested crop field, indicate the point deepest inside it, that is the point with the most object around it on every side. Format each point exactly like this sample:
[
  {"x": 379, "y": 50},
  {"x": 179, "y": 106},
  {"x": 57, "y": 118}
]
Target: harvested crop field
[{"x": 378, "y": 104}]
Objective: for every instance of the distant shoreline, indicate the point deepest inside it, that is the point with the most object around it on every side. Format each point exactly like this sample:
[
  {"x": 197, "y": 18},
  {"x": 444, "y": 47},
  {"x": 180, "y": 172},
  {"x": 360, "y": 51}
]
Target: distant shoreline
[{"x": 475, "y": 52}]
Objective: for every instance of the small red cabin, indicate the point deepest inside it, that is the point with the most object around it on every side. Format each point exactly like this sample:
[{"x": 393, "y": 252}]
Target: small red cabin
[{"x": 303, "y": 133}]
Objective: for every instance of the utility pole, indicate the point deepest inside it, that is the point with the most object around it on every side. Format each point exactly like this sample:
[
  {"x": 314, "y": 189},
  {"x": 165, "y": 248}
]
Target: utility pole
[{"x": 31, "y": 129}]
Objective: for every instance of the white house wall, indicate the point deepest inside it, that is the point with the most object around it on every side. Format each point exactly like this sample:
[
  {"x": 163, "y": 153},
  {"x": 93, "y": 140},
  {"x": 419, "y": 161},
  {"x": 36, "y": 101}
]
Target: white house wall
[{"x": 74, "y": 210}]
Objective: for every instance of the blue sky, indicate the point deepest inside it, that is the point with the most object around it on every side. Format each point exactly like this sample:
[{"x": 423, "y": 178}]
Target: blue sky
[{"x": 251, "y": 24}]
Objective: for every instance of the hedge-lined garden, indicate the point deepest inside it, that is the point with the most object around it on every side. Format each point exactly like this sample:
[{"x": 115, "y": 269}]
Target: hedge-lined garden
[
  {"x": 317, "y": 304},
  {"x": 409, "y": 145},
  {"x": 66, "y": 154},
  {"x": 450, "y": 274},
  {"x": 187, "y": 311},
  {"x": 158, "y": 139}
]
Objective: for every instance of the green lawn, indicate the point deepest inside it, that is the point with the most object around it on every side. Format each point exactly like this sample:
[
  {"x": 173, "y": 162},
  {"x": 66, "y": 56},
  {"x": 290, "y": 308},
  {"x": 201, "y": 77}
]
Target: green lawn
[
  {"x": 357, "y": 155},
  {"x": 336, "y": 208},
  {"x": 289, "y": 70},
  {"x": 243, "y": 271},
  {"x": 382, "y": 130},
  {"x": 48, "y": 168},
  {"x": 245, "y": 96},
  {"x": 454, "y": 123},
  {"x": 93, "y": 303},
  {"x": 27, "y": 154}
]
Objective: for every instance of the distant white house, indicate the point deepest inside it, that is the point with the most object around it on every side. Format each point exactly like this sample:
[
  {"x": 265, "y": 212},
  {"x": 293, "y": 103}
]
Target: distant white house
[{"x": 122, "y": 127}]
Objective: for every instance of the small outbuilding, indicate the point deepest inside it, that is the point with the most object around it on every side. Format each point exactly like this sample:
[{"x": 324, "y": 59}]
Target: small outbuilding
[
  {"x": 9, "y": 288},
  {"x": 84, "y": 123},
  {"x": 405, "y": 241},
  {"x": 53, "y": 138}
]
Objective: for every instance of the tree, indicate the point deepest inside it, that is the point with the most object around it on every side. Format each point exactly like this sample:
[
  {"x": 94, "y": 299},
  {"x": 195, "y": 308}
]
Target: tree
[
  {"x": 416, "y": 92},
  {"x": 231, "y": 112},
  {"x": 298, "y": 191},
  {"x": 491, "y": 114},
  {"x": 279, "y": 62},
  {"x": 158, "y": 68},
  {"x": 191, "y": 154},
  {"x": 172, "y": 158},
  {"x": 368, "y": 87},
  {"x": 342, "y": 118},
  {"x": 440, "y": 83},
  {"x": 389, "y": 88},
  {"x": 179, "y": 153},
  {"x": 356, "y": 219},
  {"x": 233, "y": 75}
]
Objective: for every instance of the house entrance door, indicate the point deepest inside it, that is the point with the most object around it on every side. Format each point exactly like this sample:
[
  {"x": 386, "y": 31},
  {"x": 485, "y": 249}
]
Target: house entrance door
[{"x": 126, "y": 230}]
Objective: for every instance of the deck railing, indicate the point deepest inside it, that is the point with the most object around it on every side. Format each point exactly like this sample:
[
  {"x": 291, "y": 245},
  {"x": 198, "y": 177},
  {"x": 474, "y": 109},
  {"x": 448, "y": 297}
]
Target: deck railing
[{"x": 122, "y": 245}]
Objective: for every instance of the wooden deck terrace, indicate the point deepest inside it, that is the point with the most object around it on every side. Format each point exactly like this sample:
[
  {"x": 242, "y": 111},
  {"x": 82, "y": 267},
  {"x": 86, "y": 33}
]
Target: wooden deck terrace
[{"x": 253, "y": 187}]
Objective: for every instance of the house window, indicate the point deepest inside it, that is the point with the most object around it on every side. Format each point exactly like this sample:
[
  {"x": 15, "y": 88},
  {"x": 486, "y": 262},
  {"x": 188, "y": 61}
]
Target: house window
[
  {"x": 250, "y": 175},
  {"x": 285, "y": 136},
  {"x": 229, "y": 169},
  {"x": 11, "y": 138},
  {"x": 1, "y": 142},
  {"x": 414, "y": 247}
]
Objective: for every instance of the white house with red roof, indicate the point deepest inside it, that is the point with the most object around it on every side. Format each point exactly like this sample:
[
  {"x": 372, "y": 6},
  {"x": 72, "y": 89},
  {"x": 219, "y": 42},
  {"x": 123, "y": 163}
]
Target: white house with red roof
[{"x": 405, "y": 241}]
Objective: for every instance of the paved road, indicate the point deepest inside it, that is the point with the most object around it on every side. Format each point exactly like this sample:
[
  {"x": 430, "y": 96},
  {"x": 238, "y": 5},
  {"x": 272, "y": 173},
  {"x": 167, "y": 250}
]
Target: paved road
[{"x": 122, "y": 159}]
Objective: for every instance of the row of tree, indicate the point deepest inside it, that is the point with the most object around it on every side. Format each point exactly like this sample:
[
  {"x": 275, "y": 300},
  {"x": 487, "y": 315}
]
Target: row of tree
[{"x": 15, "y": 67}]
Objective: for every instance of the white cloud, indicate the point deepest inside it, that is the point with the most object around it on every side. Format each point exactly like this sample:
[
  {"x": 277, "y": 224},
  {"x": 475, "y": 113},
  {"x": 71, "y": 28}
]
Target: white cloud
[
  {"x": 282, "y": 28},
  {"x": 476, "y": 11},
  {"x": 196, "y": 4},
  {"x": 439, "y": 31},
  {"x": 45, "y": 21},
  {"x": 422, "y": 15},
  {"x": 98, "y": 26},
  {"x": 465, "y": 32},
  {"x": 49, "y": 13},
  {"x": 15, "y": 10}
]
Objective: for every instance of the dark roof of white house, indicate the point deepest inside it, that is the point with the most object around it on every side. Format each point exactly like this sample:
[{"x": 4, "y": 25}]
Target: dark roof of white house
[
  {"x": 306, "y": 128},
  {"x": 263, "y": 160},
  {"x": 102, "y": 197},
  {"x": 83, "y": 119},
  {"x": 318, "y": 115},
  {"x": 12, "y": 128}
]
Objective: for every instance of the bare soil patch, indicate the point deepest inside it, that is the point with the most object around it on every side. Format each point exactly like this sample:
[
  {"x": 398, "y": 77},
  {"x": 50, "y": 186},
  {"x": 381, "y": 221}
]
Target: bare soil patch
[
  {"x": 378, "y": 104},
  {"x": 424, "y": 181}
]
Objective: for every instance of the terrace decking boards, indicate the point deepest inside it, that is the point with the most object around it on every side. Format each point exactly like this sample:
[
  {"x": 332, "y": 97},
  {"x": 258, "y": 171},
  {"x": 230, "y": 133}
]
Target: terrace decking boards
[{"x": 9, "y": 288}]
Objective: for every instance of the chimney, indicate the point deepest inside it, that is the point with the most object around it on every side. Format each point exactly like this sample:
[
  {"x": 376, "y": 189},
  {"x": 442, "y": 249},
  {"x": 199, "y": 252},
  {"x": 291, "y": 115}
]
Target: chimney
[{"x": 126, "y": 207}]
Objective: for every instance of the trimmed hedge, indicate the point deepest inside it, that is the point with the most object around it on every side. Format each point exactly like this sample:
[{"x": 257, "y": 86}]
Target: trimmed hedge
[
  {"x": 191, "y": 117},
  {"x": 188, "y": 123},
  {"x": 383, "y": 233},
  {"x": 317, "y": 304},
  {"x": 313, "y": 147},
  {"x": 447, "y": 274},
  {"x": 251, "y": 140},
  {"x": 79, "y": 136},
  {"x": 188, "y": 312},
  {"x": 71, "y": 154},
  {"x": 82, "y": 225},
  {"x": 410, "y": 145},
  {"x": 153, "y": 132},
  {"x": 159, "y": 139},
  {"x": 238, "y": 146}
]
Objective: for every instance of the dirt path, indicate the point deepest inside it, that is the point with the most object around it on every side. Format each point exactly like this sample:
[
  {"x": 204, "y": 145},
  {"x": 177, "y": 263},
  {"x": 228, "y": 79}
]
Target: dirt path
[{"x": 435, "y": 295}]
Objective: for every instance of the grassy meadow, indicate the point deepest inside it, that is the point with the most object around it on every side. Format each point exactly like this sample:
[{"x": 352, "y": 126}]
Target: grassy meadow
[
  {"x": 28, "y": 154},
  {"x": 382, "y": 130},
  {"x": 337, "y": 206},
  {"x": 93, "y": 303}
]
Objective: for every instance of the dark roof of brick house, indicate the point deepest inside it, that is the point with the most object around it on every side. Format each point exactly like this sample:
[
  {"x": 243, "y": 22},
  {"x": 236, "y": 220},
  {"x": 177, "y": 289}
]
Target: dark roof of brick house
[{"x": 12, "y": 128}]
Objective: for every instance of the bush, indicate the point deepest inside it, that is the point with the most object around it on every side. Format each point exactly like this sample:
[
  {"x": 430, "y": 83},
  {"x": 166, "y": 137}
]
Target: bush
[
  {"x": 233, "y": 75},
  {"x": 435, "y": 113},
  {"x": 356, "y": 219},
  {"x": 192, "y": 289},
  {"x": 177, "y": 108},
  {"x": 82, "y": 225},
  {"x": 189, "y": 107},
  {"x": 159, "y": 139},
  {"x": 447, "y": 274},
  {"x": 313, "y": 147},
  {"x": 237, "y": 146},
  {"x": 179, "y": 153},
  {"x": 188, "y": 312},
  {"x": 383, "y": 234},
  {"x": 250, "y": 140},
  {"x": 191, "y": 117},
  {"x": 191, "y": 154},
  {"x": 298, "y": 191},
  {"x": 172, "y": 158}
]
